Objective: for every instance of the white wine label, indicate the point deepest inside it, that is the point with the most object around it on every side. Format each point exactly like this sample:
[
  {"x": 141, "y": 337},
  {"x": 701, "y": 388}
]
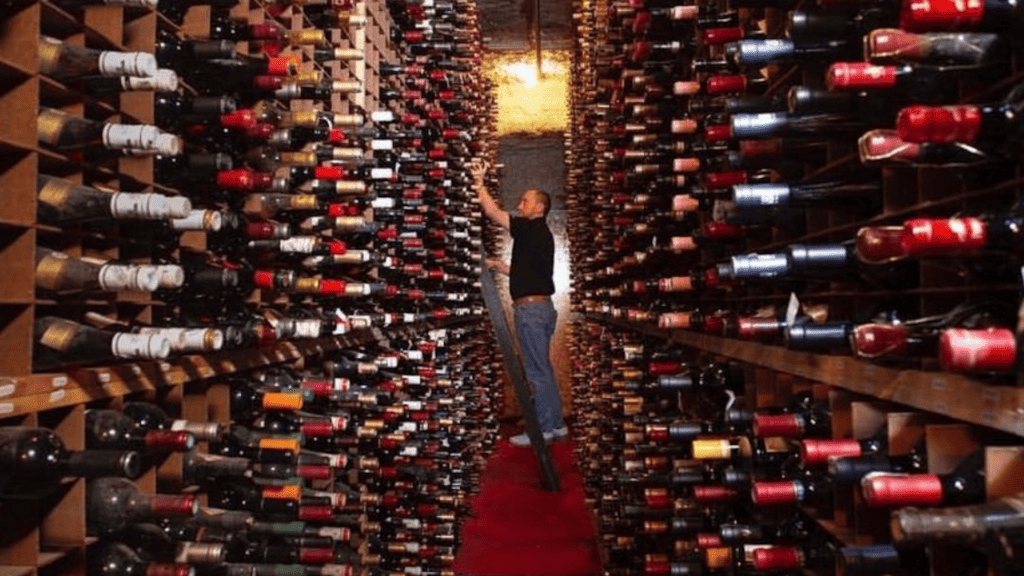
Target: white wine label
[
  {"x": 346, "y": 87},
  {"x": 347, "y": 153},
  {"x": 142, "y": 346},
  {"x": 170, "y": 276},
  {"x": 298, "y": 244},
  {"x": 139, "y": 64},
  {"x": 132, "y": 137},
  {"x": 382, "y": 144},
  {"x": 163, "y": 80},
  {"x": 148, "y": 206},
  {"x": 381, "y": 173},
  {"x": 115, "y": 277},
  {"x": 307, "y": 328},
  {"x": 210, "y": 220},
  {"x": 382, "y": 116}
]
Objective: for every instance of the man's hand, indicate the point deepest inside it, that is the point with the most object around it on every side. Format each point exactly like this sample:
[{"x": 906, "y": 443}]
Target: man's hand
[{"x": 491, "y": 208}]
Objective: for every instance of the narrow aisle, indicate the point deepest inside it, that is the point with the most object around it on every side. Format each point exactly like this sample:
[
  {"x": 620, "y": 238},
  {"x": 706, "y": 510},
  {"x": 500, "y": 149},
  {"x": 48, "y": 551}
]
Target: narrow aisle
[{"x": 519, "y": 529}]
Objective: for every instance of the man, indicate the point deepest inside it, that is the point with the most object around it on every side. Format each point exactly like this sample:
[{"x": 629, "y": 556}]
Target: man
[{"x": 531, "y": 285}]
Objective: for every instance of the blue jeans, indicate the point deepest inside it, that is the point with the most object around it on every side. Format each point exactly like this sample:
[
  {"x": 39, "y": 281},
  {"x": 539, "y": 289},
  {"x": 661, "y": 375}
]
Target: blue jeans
[{"x": 535, "y": 323}]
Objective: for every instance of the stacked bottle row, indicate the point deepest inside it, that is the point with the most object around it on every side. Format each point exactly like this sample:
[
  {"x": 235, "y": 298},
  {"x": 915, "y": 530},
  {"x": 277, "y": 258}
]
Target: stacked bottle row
[
  {"x": 699, "y": 465},
  {"x": 350, "y": 217},
  {"x": 359, "y": 463},
  {"x": 738, "y": 153},
  {"x": 215, "y": 187}
]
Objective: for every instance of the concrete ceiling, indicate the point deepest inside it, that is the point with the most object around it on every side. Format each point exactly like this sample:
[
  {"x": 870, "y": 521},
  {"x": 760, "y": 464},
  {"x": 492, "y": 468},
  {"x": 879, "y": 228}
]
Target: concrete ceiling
[{"x": 504, "y": 23}]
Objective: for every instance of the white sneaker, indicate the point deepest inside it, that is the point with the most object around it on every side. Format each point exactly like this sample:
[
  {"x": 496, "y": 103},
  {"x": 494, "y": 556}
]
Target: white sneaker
[
  {"x": 520, "y": 440},
  {"x": 557, "y": 434},
  {"x": 524, "y": 440}
]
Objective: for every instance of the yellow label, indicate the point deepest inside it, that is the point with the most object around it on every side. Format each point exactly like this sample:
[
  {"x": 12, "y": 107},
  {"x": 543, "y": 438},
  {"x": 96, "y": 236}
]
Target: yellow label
[
  {"x": 298, "y": 37},
  {"x": 58, "y": 335},
  {"x": 56, "y": 191},
  {"x": 50, "y": 271},
  {"x": 285, "y": 444},
  {"x": 49, "y": 125},
  {"x": 49, "y": 56},
  {"x": 717, "y": 557},
  {"x": 282, "y": 400},
  {"x": 710, "y": 449},
  {"x": 286, "y": 492},
  {"x": 298, "y": 158},
  {"x": 308, "y": 78},
  {"x": 307, "y": 285},
  {"x": 301, "y": 118},
  {"x": 303, "y": 202}
]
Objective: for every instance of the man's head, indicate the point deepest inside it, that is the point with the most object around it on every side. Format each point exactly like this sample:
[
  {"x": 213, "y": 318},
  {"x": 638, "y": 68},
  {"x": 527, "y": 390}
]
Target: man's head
[{"x": 534, "y": 203}]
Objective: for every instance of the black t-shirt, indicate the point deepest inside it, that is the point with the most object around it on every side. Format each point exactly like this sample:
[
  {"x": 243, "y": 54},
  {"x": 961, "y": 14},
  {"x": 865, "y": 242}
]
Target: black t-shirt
[{"x": 533, "y": 258}]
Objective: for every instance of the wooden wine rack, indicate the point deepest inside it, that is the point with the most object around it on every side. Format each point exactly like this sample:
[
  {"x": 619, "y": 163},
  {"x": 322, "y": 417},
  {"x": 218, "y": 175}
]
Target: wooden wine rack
[
  {"x": 953, "y": 414},
  {"x": 48, "y": 537}
]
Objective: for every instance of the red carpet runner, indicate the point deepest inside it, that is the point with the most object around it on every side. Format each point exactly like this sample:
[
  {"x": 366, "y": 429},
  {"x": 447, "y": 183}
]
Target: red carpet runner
[{"x": 521, "y": 529}]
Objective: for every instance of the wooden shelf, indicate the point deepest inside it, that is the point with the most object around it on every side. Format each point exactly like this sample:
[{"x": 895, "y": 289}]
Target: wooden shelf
[{"x": 959, "y": 397}]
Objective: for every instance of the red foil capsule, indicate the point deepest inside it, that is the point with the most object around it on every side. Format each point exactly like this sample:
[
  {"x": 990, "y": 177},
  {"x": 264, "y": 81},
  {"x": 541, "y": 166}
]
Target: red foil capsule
[
  {"x": 662, "y": 367},
  {"x": 940, "y": 124},
  {"x": 657, "y": 498},
  {"x": 978, "y": 350},
  {"x": 721, "y": 180},
  {"x": 717, "y": 36},
  {"x": 657, "y": 568},
  {"x": 708, "y": 540},
  {"x": 263, "y": 279},
  {"x": 709, "y": 494},
  {"x": 877, "y": 340},
  {"x": 756, "y": 328},
  {"x": 317, "y": 429},
  {"x": 772, "y": 558},
  {"x": 243, "y": 119},
  {"x": 320, "y": 388},
  {"x": 941, "y": 16},
  {"x": 156, "y": 569},
  {"x": 818, "y": 451},
  {"x": 860, "y": 76},
  {"x": 726, "y": 84},
  {"x": 168, "y": 440},
  {"x": 267, "y": 82},
  {"x": 719, "y": 230},
  {"x": 282, "y": 66},
  {"x": 322, "y": 514},
  {"x": 714, "y": 325},
  {"x": 641, "y": 50},
  {"x": 932, "y": 237},
  {"x": 776, "y": 492},
  {"x": 163, "y": 506},
  {"x": 328, "y": 172},
  {"x": 893, "y": 490},
  {"x": 717, "y": 133},
  {"x": 316, "y": 555},
  {"x": 240, "y": 179},
  {"x": 315, "y": 472},
  {"x": 771, "y": 148},
  {"x": 879, "y": 244},
  {"x": 656, "y": 433},
  {"x": 778, "y": 425}
]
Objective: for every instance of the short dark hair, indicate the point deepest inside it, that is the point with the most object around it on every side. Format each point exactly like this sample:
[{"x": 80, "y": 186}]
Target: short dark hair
[{"x": 544, "y": 197}]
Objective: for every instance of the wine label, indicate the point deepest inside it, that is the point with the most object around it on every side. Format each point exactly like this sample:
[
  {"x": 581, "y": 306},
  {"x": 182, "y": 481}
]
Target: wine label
[
  {"x": 140, "y": 139},
  {"x": 298, "y": 244},
  {"x": 140, "y": 346},
  {"x": 755, "y": 196},
  {"x": 759, "y": 265},
  {"x": 348, "y": 120},
  {"x": 139, "y": 64},
  {"x": 49, "y": 125},
  {"x": 755, "y": 126},
  {"x": 346, "y": 87},
  {"x": 59, "y": 334},
  {"x": 114, "y": 277},
  {"x": 49, "y": 55},
  {"x": 339, "y": 153},
  {"x": 760, "y": 53},
  {"x": 211, "y": 220},
  {"x": 924, "y": 237},
  {"x": 306, "y": 36},
  {"x": 942, "y": 15},
  {"x": 859, "y": 76},
  {"x": 307, "y": 159},
  {"x": 146, "y": 206},
  {"x": 687, "y": 12},
  {"x": 350, "y": 186},
  {"x": 348, "y": 54}
]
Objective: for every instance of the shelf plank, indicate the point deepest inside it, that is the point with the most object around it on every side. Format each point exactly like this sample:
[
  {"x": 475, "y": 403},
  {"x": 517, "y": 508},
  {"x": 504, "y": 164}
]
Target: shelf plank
[{"x": 953, "y": 395}]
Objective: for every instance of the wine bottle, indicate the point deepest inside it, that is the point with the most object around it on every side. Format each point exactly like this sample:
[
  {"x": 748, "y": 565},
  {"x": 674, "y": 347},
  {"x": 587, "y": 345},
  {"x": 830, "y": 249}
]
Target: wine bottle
[
  {"x": 116, "y": 559},
  {"x": 964, "y": 524},
  {"x": 34, "y": 460},
  {"x": 59, "y": 273},
  {"x": 64, "y": 131},
  {"x": 110, "y": 429},
  {"x": 114, "y": 504},
  {"x": 964, "y": 485},
  {"x": 65, "y": 202},
  {"x": 61, "y": 342},
  {"x": 975, "y": 50},
  {"x": 835, "y": 193},
  {"x": 64, "y": 62}
]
